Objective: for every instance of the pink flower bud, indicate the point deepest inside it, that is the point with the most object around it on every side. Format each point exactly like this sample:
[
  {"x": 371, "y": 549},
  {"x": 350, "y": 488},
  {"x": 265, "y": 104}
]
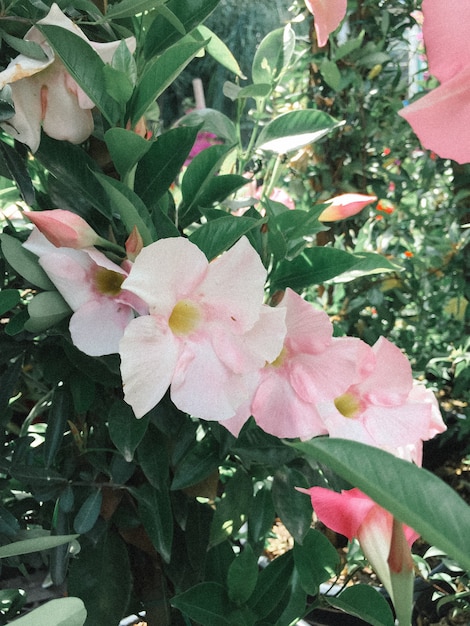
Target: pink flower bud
[
  {"x": 134, "y": 244},
  {"x": 64, "y": 229},
  {"x": 344, "y": 206}
]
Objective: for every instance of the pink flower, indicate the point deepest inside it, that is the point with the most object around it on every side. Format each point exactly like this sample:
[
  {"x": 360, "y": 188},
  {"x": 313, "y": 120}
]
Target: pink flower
[
  {"x": 384, "y": 540},
  {"x": 311, "y": 367},
  {"x": 385, "y": 409},
  {"x": 44, "y": 93},
  {"x": 344, "y": 206},
  {"x": 64, "y": 228},
  {"x": 208, "y": 332},
  {"x": 328, "y": 16},
  {"x": 440, "y": 118},
  {"x": 203, "y": 141},
  {"x": 92, "y": 286}
]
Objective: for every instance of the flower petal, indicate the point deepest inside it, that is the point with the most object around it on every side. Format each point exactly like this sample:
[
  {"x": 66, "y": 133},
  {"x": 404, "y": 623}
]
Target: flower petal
[{"x": 328, "y": 15}]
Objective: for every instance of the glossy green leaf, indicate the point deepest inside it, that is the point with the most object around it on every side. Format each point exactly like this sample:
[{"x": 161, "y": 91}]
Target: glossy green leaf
[
  {"x": 258, "y": 90},
  {"x": 242, "y": 575},
  {"x": 261, "y": 515},
  {"x": 9, "y": 298},
  {"x": 60, "y": 612},
  {"x": 84, "y": 65},
  {"x": 162, "y": 33},
  {"x": 313, "y": 266},
  {"x": 15, "y": 163},
  {"x": 316, "y": 561},
  {"x": 88, "y": 512},
  {"x": 118, "y": 85},
  {"x": 368, "y": 263},
  {"x": 218, "y": 49},
  {"x": 125, "y": 430},
  {"x": 293, "y": 510},
  {"x": 201, "y": 460},
  {"x": 295, "y": 129},
  {"x": 157, "y": 517},
  {"x": 331, "y": 74},
  {"x": 28, "y": 48},
  {"x": 45, "y": 310},
  {"x": 129, "y": 207},
  {"x": 101, "y": 577},
  {"x": 129, "y": 8},
  {"x": 271, "y": 585},
  {"x": 83, "y": 391},
  {"x": 60, "y": 412},
  {"x": 37, "y": 544},
  {"x": 294, "y": 602},
  {"x": 230, "y": 510},
  {"x": 159, "y": 73},
  {"x": 207, "y": 603},
  {"x": 212, "y": 121},
  {"x": 7, "y": 111},
  {"x": 365, "y": 602},
  {"x": 24, "y": 262},
  {"x": 8, "y": 386},
  {"x": 273, "y": 55},
  {"x": 216, "y": 236},
  {"x": 8, "y": 523},
  {"x": 152, "y": 455},
  {"x": 162, "y": 163},
  {"x": 409, "y": 492},
  {"x": 16, "y": 323}
]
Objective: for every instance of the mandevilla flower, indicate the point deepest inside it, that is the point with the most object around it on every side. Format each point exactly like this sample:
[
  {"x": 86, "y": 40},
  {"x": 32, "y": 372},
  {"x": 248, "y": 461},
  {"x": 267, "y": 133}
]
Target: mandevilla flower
[
  {"x": 385, "y": 409},
  {"x": 92, "y": 286},
  {"x": 207, "y": 333},
  {"x": 311, "y": 367},
  {"x": 440, "y": 118},
  {"x": 384, "y": 540},
  {"x": 44, "y": 93},
  {"x": 64, "y": 228},
  {"x": 328, "y": 15},
  {"x": 345, "y": 205}
]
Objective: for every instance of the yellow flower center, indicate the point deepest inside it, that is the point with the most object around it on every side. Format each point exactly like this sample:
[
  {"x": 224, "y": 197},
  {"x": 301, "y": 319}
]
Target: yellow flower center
[
  {"x": 184, "y": 318},
  {"x": 348, "y": 405},
  {"x": 108, "y": 282},
  {"x": 279, "y": 360}
]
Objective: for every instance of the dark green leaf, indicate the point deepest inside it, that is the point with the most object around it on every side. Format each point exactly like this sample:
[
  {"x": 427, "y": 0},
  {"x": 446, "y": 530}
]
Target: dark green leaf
[
  {"x": 118, "y": 85},
  {"x": 16, "y": 165},
  {"x": 216, "y": 236},
  {"x": 292, "y": 509},
  {"x": 28, "y": 48},
  {"x": 26, "y": 546},
  {"x": 271, "y": 585},
  {"x": 242, "y": 575},
  {"x": 88, "y": 512},
  {"x": 129, "y": 8},
  {"x": 9, "y": 298},
  {"x": 201, "y": 460},
  {"x": 409, "y": 492},
  {"x": 45, "y": 310},
  {"x": 162, "y": 33},
  {"x": 261, "y": 515},
  {"x": 207, "y": 603},
  {"x": 316, "y": 560},
  {"x": 125, "y": 430},
  {"x": 365, "y": 602},
  {"x": 59, "y": 612},
  {"x": 152, "y": 455},
  {"x": 126, "y": 148},
  {"x": 157, "y": 518},
  {"x": 24, "y": 262},
  {"x": 8, "y": 386},
  {"x": 331, "y": 74},
  {"x": 60, "y": 412}
]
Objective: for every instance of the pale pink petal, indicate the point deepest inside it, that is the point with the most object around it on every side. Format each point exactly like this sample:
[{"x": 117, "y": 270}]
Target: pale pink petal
[
  {"x": 310, "y": 330},
  {"x": 328, "y": 16},
  {"x": 445, "y": 32},
  {"x": 235, "y": 424},
  {"x": 38, "y": 244},
  {"x": 397, "y": 426},
  {"x": 25, "y": 125},
  {"x": 98, "y": 326},
  {"x": 440, "y": 118},
  {"x": 278, "y": 410},
  {"x": 69, "y": 270},
  {"x": 203, "y": 387},
  {"x": 64, "y": 228},
  {"x": 149, "y": 355},
  {"x": 419, "y": 394},
  {"x": 233, "y": 288},
  {"x": 165, "y": 272}
]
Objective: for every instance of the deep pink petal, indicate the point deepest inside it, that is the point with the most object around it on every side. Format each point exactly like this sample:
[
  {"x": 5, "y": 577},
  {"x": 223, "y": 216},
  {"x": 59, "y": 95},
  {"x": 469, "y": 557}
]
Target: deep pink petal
[
  {"x": 346, "y": 205},
  {"x": 149, "y": 354},
  {"x": 440, "y": 118},
  {"x": 328, "y": 15},
  {"x": 64, "y": 228},
  {"x": 98, "y": 326}
]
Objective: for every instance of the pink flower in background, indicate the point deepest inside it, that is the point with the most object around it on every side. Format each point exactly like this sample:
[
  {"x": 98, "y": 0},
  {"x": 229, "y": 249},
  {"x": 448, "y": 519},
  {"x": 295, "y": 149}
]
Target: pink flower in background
[
  {"x": 208, "y": 332},
  {"x": 311, "y": 367},
  {"x": 385, "y": 541},
  {"x": 45, "y": 94},
  {"x": 92, "y": 286},
  {"x": 328, "y": 15},
  {"x": 440, "y": 118},
  {"x": 203, "y": 141},
  {"x": 385, "y": 409},
  {"x": 64, "y": 228},
  {"x": 344, "y": 206}
]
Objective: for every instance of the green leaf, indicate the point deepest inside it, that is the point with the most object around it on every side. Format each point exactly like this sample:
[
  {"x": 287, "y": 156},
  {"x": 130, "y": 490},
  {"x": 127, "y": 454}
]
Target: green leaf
[
  {"x": 129, "y": 8},
  {"x": 261, "y": 515},
  {"x": 218, "y": 49},
  {"x": 101, "y": 577},
  {"x": 331, "y": 74},
  {"x": 295, "y": 129},
  {"x": 160, "y": 73},
  {"x": 88, "y": 512},
  {"x": 367, "y": 263},
  {"x": 201, "y": 460},
  {"x": 157, "y": 518},
  {"x": 313, "y": 266},
  {"x": 24, "y": 262},
  {"x": 84, "y": 65},
  {"x": 9, "y": 298},
  {"x": 60, "y": 612},
  {"x": 316, "y": 560},
  {"x": 162, "y": 163},
  {"x": 37, "y": 544},
  {"x": 45, "y": 310},
  {"x": 125, "y": 430},
  {"x": 292, "y": 509},
  {"x": 15, "y": 163},
  {"x": 409, "y": 492},
  {"x": 218, "y": 235},
  {"x": 118, "y": 85},
  {"x": 60, "y": 412},
  {"x": 271, "y": 585},
  {"x": 232, "y": 507},
  {"x": 365, "y": 602},
  {"x": 152, "y": 455},
  {"x": 242, "y": 575},
  {"x": 212, "y": 121},
  {"x": 7, "y": 111},
  {"x": 30, "y": 49},
  {"x": 259, "y": 90},
  {"x": 130, "y": 208},
  {"x": 273, "y": 55},
  {"x": 207, "y": 603},
  {"x": 162, "y": 33}
]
